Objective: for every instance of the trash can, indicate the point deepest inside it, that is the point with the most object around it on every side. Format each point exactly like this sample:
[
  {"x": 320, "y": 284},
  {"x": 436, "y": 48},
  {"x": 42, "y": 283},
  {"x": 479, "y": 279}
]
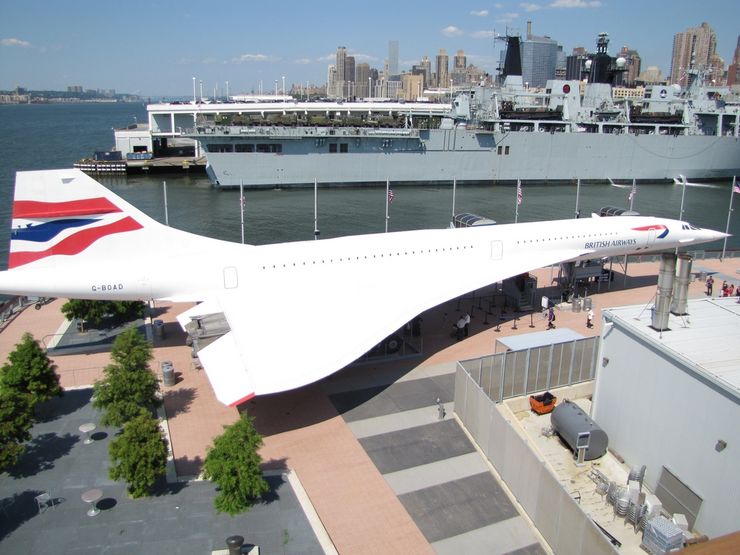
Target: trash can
[
  {"x": 168, "y": 373},
  {"x": 576, "y": 304},
  {"x": 587, "y": 303},
  {"x": 159, "y": 329}
]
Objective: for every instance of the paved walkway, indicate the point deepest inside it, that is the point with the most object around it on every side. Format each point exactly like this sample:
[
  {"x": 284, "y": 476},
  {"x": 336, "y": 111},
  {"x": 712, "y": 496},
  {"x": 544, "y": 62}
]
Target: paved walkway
[{"x": 364, "y": 509}]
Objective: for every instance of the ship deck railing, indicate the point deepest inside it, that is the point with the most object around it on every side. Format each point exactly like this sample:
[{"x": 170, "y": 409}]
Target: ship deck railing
[{"x": 301, "y": 132}]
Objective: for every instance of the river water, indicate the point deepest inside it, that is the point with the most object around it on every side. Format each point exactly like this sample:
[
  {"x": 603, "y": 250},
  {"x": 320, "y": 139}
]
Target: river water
[{"x": 55, "y": 136}]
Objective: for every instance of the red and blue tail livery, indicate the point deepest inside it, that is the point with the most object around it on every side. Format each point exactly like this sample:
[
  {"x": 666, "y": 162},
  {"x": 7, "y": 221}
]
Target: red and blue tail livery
[{"x": 41, "y": 229}]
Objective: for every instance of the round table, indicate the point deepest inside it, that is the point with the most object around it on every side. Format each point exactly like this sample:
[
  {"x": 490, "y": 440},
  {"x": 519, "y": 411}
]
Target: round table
[
  {"x": 92, "y": 496},
  {"x": 86, "y": 429}
]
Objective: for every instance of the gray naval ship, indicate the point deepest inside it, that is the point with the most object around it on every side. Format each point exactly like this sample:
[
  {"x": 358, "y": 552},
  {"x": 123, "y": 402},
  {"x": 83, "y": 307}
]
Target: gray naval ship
[{"x": 487, "y": 134}]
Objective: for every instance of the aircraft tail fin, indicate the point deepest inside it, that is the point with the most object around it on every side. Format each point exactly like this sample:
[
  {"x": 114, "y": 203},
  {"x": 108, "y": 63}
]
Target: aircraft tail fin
[{"x": 62, "y": 213}]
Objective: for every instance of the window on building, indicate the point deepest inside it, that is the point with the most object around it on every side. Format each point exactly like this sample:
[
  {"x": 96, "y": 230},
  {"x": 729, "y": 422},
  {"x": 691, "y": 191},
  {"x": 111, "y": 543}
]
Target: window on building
[
  {"x": 220, "y": 147},
  {"x": 499, "y": 150},
  {"x": 244, "y": 147},
  {"x": 343, "y": 147},
  {"x": 506, "y": 150},
  {"x": 332, "y": 147}
]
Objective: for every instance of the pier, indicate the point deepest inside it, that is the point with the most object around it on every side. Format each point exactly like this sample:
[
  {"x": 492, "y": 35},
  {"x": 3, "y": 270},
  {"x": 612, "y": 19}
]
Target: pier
[{"x": 166, "y": 164}]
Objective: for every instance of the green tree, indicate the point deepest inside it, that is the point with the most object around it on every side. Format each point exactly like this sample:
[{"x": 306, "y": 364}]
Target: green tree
[
  {"x": 16, "y": 416},
  {"x": 233, "y": 463},
  {"x": 29, "y": 370},
  {"x": 128, "y": 384},
  {"x": 96, "y": 312},
  {"x": 139, "y": 455}
]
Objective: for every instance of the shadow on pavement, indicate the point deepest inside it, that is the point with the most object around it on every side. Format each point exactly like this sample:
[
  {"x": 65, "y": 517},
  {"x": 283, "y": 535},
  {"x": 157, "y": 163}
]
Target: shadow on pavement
[
  {"x": 16, "y": 510},
  {"x": 178, "y": 401},
  {"x": 41, "y": 452},
  {"x": 59, "y": 407}
]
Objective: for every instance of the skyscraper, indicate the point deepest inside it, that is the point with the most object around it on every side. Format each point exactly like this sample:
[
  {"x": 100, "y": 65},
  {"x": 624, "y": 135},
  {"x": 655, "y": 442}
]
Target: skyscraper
[
  {"x": 341, "y": 66},
  {"x": 362, "y": 80},
  {"x": 732, "y": 71},
  {"x": 692, "y": 49},
  {"x": 633, "y": 65},
  {"x": 393, "y": 57},
  {"x": 539, "y": 58},
  {"x": 443, "y": 62},
  {"x": 349, "y": 77}
]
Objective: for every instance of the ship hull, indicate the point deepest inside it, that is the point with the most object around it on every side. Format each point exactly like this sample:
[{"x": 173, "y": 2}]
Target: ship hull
[{"x": 439, "y": 156}]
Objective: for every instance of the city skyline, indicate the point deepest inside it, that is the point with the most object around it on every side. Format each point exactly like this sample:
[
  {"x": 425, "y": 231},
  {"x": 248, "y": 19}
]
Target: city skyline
[{"x": 157, "y": 49}]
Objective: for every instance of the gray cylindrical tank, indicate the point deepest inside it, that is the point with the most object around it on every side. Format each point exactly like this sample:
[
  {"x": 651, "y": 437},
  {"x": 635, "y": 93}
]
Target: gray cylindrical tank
[
  {"x": 569, "y": 421},
  {"x": 666, "y": 277},
  {"x": 681, "y": 286}
]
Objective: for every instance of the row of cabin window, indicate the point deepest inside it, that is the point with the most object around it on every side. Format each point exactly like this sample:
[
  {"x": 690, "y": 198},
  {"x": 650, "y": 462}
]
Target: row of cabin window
[
  {"x": 274, "y": 148},
  {"x": 239, "y": 147}
]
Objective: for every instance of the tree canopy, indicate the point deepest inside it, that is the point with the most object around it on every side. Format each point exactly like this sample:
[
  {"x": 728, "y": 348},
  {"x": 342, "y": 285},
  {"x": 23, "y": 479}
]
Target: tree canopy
[
  {"x": 15, "y": 421},
  {"x": 233, "y": 463},
  {"x": 29, "y": 370},
  {"x": 96, "y": 312},
  {"x": 128, "y": 384},
  {"x": 139, "y": 455}
]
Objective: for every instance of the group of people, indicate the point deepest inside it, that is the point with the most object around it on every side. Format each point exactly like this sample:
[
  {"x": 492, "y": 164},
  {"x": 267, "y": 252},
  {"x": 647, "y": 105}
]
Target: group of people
[{"x": 728, "y": 290}]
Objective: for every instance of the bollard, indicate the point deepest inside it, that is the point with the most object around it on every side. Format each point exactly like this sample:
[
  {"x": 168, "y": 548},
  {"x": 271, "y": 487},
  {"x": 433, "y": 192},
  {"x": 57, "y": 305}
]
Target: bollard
[{"x": 234, "y": 544}]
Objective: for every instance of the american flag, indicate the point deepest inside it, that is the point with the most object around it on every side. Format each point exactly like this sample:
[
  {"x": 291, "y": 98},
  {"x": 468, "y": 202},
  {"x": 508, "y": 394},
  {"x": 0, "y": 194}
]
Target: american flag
[
  {"x": 633, "y": 192},
  {"x": 736, "y": 189},
  {"x": 391, "y": 195},
  {"x": 519, "y": 194}
]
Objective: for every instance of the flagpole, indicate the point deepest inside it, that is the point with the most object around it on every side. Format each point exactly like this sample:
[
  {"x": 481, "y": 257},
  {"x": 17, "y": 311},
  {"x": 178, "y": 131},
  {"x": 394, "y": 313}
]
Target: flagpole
[
  {"x": 578, "y": 197},
  {"x": 241, "y": 206},
  {"x": 683, "y": 193},
  {"x": 166, "y": 211},
  {"x": 387, "y": 188},
  {"x": 315, "y": 209},
  {"x": 633, "y": 192},
  {"x": 454, "y": 192},
  {"x": 516, "y": 200},
  {"x": 729, "y": 213}
]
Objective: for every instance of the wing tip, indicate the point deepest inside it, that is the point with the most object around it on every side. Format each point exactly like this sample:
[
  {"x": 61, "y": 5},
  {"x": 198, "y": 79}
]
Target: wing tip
[{"x": 242, "y": 400}]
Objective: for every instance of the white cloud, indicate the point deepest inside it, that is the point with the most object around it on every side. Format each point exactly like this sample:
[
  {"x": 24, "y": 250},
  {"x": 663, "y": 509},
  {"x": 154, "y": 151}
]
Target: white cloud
[
  {"x": 530, "y": 7},
  {"x": 479, "y": 13},
  {"x": 483, "y": 34},
  {"x": 498, "y": 6},
  {"x": 303, "y": 61},
  {"x": 575, "y": 4},
  {"x": 15, "y": 42},
  {"x": 252, "y": 58},
  {"x": 452, "y": 31}
]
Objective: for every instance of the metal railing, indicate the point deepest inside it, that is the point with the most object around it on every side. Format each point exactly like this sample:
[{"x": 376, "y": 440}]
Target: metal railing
[{"x": 516, "y": 373}]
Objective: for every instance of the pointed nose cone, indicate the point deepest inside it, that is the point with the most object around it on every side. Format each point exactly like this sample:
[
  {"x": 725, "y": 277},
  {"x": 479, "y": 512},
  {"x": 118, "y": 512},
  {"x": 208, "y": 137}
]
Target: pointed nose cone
[{"x": 709, "y": 235}]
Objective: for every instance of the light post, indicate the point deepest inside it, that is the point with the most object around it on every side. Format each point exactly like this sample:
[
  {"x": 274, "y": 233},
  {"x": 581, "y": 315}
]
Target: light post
[
  {"x": 194, "y": 98},
  {"x": 201, "y": 90},
  {"x": 283, "y": 85},
  {"x": 370, "y": 87},
  {"x": 227, "y": 91},
  {"x": 276, "y": 90}
]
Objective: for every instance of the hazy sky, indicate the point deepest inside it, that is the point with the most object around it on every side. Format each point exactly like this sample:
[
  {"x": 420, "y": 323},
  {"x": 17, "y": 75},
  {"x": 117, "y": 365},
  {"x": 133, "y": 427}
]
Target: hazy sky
[{"x": 156, "y": 48}]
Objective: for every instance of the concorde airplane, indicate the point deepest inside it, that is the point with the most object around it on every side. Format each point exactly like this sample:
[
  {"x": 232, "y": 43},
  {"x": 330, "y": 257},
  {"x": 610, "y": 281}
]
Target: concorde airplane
[{"x": 297, "y": 312}]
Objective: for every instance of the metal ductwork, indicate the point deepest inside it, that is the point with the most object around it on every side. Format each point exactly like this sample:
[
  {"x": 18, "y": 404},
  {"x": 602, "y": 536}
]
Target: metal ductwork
[
  {"x": 681, "y": 286},
  {"x": 666, "y": 277}
]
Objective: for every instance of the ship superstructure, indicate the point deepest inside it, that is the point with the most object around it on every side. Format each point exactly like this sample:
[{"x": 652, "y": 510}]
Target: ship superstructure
[{"x": 570, "y": 130}]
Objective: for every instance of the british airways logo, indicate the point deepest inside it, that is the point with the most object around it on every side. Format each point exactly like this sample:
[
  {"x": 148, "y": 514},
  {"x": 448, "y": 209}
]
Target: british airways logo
[
  {"x": 42, "y": 229},
  {"x": 660, "y": 230}
]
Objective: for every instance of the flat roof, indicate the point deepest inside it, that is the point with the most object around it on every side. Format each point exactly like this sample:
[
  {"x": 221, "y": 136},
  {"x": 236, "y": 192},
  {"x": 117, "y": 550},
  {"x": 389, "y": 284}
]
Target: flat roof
[
  {"x": 539, "y": 339},
  {"x": 704, "y": 340}
]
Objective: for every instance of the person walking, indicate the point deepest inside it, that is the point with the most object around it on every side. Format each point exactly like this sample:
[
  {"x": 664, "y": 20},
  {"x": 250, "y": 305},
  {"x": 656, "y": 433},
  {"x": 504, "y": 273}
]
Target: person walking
[
  {"x": 551, "y": 318},
  {"x": 710, "y": 285},
  {"x": 460, "y": 327},
  {"x": 467, "y": 324},
  {"x": 590, "y": 318}
]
